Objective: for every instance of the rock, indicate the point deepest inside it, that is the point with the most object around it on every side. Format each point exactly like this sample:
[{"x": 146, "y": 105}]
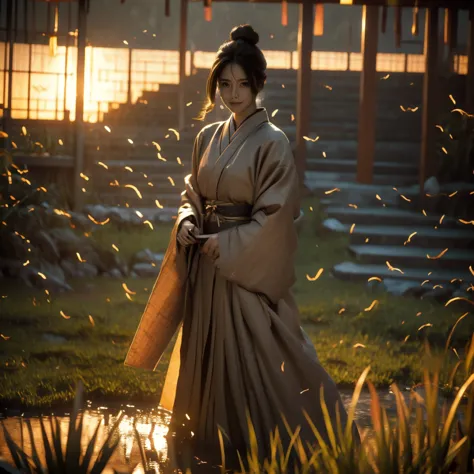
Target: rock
[
  {"x": 87, "y": 270},
  {"x": 98, "y": 212},
  {"x": 67, "y": 241},
  {"x": 114, "y": 273},
  {"x": 81, "y": 222},
  {"x": 432, "y": 186},
  {"x": 69, "y": 267},
  {"x": 375, "y": 286},
  {"x": 401, "y": 287},
  {"x": 148, "y": 256},
  {"x": 334, "y": 225},
  {"x": 145, "y": 270},
  {"x": 13, "y": 246},
  {"x": 51, "y": 270},
  {"x": 10, "y": 267},
  {"x": 44, "y": 242},
  {"x": 439, "y": 294},
  {"x": 52, "y": 283}
]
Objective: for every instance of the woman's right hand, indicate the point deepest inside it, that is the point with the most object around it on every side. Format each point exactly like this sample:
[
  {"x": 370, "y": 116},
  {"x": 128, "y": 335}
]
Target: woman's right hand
[{"x": 186, "y": 233}]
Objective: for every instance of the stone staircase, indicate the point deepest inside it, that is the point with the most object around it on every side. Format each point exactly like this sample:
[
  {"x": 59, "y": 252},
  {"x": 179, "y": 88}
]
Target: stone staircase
[{"x": 392, "y": 238}]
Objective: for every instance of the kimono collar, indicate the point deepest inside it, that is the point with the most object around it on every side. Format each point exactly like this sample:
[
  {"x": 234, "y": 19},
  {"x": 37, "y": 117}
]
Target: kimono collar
[{"x": 229, "y": 132}]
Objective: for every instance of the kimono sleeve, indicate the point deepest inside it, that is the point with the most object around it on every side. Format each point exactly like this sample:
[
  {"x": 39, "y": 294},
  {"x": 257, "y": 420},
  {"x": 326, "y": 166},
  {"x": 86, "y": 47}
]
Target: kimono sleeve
[
  {"x": 187, "y": 210},
  {"x": 259, "y": 256}
]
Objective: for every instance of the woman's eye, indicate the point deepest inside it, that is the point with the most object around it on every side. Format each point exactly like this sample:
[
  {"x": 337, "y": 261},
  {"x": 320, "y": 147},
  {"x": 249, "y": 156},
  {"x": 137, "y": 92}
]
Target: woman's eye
[
  {"x": 245, "y": 84},
  {"x": 224, "y": 84}
]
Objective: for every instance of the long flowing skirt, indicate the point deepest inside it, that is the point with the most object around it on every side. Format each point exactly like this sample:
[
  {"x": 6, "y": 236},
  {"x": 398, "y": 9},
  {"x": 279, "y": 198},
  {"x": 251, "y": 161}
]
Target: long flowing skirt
[{"x": 244, "y": 358}]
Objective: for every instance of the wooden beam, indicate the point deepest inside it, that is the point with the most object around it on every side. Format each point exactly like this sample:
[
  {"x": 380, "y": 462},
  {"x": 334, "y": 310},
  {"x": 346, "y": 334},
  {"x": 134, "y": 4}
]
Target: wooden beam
[
  {"x": 429, "y": 108},
  {"x": 303, "y": 86},
  {"x": 470, "y": 73},
  {"x": 368, "y": 93},
  {"x": 450, "y": 35},
  {"x": 183, "y": 39},
  {"x": 79, "y": 124}
]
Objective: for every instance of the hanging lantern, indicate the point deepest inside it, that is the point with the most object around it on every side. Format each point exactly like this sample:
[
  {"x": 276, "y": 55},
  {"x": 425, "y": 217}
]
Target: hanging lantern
[
  {"x": 53, "y": 39},
  {"x": 318, "y": 29},
  {"x": 415, "y": 27},
  {"x": 398, "y": 26},
  {"x": 384, "y": 19},
  {"x": 284, "y": 12},
  {"x": 167, "y": 8},
  {"x": 207, "y": 10}
]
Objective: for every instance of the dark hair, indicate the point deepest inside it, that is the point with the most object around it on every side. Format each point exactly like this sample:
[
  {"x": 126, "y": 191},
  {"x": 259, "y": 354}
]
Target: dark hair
[{"x": 242, "y": 49}]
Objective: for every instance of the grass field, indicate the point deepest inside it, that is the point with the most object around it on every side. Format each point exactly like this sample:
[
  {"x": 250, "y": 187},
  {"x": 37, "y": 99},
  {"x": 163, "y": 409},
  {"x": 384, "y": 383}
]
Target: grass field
[{"x": 42, "y": 354}]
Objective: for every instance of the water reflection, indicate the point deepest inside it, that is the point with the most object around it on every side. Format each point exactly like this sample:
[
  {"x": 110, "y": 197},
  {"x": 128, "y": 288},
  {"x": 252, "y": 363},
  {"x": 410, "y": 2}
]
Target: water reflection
[{"x": 152, "y": 428}]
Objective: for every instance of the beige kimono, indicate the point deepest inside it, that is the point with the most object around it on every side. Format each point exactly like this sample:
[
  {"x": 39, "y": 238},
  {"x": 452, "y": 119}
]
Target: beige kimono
[{"x": 241, "y": 346}]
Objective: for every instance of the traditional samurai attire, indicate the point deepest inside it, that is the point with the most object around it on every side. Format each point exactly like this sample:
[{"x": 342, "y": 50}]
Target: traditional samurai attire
[{"x": 240, "y": 347}]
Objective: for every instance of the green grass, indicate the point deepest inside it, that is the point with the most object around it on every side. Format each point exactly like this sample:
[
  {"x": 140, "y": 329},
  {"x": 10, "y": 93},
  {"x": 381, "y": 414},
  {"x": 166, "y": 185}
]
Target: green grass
[{"x": 35, "y": 372}]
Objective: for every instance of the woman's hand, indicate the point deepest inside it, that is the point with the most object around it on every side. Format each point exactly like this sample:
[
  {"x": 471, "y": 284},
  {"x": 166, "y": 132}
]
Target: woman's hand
[
  {"x": 186, "y": 233},
  {"x": 211, "y": 247}
]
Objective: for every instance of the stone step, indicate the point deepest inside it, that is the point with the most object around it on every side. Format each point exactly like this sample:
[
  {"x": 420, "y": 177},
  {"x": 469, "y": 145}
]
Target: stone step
[
  {"x": 335, "y": 178},
  {"x": 397, "y": 235},
  {"x": 346, "y": 165},
  {"x": 359, "y": 271},
  {"x": 386, "y": 216},
  {"x": 413, "y": 257}
]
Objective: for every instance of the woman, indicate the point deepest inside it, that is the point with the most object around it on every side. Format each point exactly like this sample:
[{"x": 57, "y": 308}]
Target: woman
[{"x": 241, "y": 348}]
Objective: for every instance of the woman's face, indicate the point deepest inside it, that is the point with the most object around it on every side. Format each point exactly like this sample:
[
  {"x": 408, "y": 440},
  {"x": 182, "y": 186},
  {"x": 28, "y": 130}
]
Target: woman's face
[{"x": 235, "y": 90}]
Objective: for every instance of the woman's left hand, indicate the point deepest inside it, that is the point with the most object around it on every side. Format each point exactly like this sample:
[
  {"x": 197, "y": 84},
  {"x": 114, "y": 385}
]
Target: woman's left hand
[{"x": 211, "y": 247}]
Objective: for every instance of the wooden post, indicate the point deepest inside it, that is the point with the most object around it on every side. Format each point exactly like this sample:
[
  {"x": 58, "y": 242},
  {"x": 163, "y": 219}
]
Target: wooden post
[
  {"x": 79, "y": 139},
  {"x": 470, "y": 73},
  {"x": 450, "y": 35},
  {"x": 303, "y": 86},
  {"x": 183, "y": 33},
  {"x": 129, "y": 79},
  {"x": 7, "y": 112},
  {"x": 429, "y": 109},
  {"x": 367, "y": 100}
]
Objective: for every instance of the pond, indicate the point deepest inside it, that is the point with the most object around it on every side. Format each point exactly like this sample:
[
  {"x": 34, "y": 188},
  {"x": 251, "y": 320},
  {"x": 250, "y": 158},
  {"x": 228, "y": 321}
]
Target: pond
[{"x": 152, "y": 425}]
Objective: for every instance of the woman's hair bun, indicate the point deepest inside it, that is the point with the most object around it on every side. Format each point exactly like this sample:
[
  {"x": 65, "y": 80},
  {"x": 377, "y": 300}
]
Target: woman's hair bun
[{"x": 245, "y": 33}]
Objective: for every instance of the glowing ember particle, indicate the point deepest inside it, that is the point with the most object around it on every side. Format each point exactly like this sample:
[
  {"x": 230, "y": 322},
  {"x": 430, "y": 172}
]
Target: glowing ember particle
[
  {"x": 427, "y": 325},
  {"x": 130, "y": 141},
  {"x": 471, "y": 270},
  {"x": 282, "y": 366},
  {"x": 303, "y": 391},
  {"x": 440, "y": 127},
  {"x": 452, "y": 99},
  {"x": 97, "y": 222},
  {"x": 79, "y": 257},
  {"x": 426, "y": 281},
  {"x": 107, "y": 128},
  {"x": 175, "y": 132},
  {"x": 462, "y": 112},
  {"x": 320, "y": 271},
  {"x": 178, "y": 159},
  {"x": 332, "y": 191},
  {"x": 188, "y": 104},
  {"x": 311, "y": 208},
  {"x": 42, "y": 275},
  {"x": 355, "y": 346},
  {"x": 128, "y": 169},
  {"x": 83, "y": 176},
  {"x": 158, "y": 204},
  {"x": 115, "y": 247},
  {"x": 292, "y": 118},
  {"x": 342, "y": 310},
  {"x": 103, "y": 165},
  {"x": 65, "y": 316},
  {"x": 23, "y": 130},
  {"x": 371, "y": 307},
  {"x": 452, "y": 194},
  {"x": 131, "y": 186},
  {"x": 378, "y": 197},
  {"x": 411, "y": 235},
  {"x": 404, "y": 197},
  {"x": 437, "y": 256},
  {"x": 393, "y": 269},
  {"x": 149, "y": 224},
  {"x": 171, "y": 180},
  {"x": 162, "y": 158},
  {"x": 158, "y": 147},
  {"x": 374, "y": 278},
  {"x": 60, "y": 142},
  {"x": 128, "y": 296},
  {"x": 328, "y": 87},
  {"x": 125, "y": 42},
  {"x": 406, "y": 338},
  {"x": 274, "y": 112},
  {"x": 5, "y": 338},
  {"x": 26, "y": 263},
  {"x": 354, "y": 206},
  {"x": 139, "y": 214},
  {"x": 324, "y": 154},
  {"x": 441, "y": 219},
  {"x": 308, "y": 139},
  {"x": 444, "y": 150},
  {"x": 352, "y": 228},
  {"x": 459, "y": 298},
  {"x": 384, "y": 78},
  {"x": 91, "y": 319}
]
